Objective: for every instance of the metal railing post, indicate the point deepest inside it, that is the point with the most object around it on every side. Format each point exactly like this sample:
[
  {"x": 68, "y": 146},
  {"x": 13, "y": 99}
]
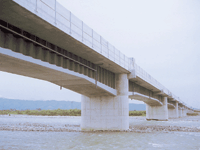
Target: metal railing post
[
  {"x": 124, "y": 62},
  {"x": 101, "y": 43},
  {"x": 55, "y": 11},
  {"x": 70, "y": 22},
  {"x": 82, "y": 31},
  {"x": 92, "y": 38},
  {"x": 36, "y": 5},
  {"x": 108, "y": 49},
  {"x": 114, "y": 53},
  {"x": 119, "y": 58}
]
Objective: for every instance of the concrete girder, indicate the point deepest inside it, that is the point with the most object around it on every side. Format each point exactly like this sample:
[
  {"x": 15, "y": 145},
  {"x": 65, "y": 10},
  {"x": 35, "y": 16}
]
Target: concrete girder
[
  {"x": 20, "y": 64},
  {"x": 148, "y": 100},
  {"x": 144, "y": 84},
  {"x": 170, "y": 97},
  {"x": 134, "y": 87},
  {"x": 25, "y": 43},
  {"x": 171, "y": 106},
  {"x": 161, "y": 93}
]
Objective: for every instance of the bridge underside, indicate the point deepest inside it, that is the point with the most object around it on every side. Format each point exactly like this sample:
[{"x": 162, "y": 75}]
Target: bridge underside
[
  {"x": 30, "y": 67},
  {"x": 146, "y": 99},
  {"x": 23, "y": 42},
  {"x": 28, "y": 55}
]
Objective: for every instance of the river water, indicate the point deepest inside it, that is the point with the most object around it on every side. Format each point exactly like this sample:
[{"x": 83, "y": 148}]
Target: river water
[{"x": 43, "y": 132}]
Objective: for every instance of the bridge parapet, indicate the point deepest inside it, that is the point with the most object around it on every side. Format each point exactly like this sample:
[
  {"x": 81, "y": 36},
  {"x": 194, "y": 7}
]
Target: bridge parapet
[
  {"x": 142, "y": 78},
  {"x": 57, "y": 15},
  {"x": 139, "y": 72}
]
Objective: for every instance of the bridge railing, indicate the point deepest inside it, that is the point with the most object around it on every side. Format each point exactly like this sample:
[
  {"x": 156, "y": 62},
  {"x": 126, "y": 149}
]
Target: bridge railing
[
  {"x": 149, "y": 79},
  {"x": 59, "y": 16}
]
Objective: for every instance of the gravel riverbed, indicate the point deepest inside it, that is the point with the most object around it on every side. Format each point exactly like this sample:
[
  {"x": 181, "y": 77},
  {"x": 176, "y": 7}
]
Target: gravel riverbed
[{"x": 59, "y": 124}]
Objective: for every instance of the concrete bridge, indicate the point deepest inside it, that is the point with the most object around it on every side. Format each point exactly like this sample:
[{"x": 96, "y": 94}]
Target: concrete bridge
[{"x": 43, "y": 40}]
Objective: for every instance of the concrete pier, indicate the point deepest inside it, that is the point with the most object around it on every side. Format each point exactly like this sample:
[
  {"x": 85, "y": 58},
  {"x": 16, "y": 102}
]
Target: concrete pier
[
  {"x": 176, "y": 107},
  {"x": 172, "y": 113},
  {"x": 157, "y": 112},
  {"x": 107, "y": 112},
  {"x": 184, "y": 112},
  {"x": 180, "y": 112}
]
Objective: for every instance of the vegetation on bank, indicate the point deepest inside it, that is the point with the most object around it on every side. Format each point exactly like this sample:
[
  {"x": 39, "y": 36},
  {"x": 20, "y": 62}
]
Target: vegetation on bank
[
  {"x": 196, "y": 110},
  {"x": 137, "y": 113},
  {"x": 58, "y": 112},
  {"x": 193, "y": 114}
]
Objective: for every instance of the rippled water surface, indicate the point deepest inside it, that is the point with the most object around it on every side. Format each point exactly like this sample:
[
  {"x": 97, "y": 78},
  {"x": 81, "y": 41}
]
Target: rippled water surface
[{"x": 96, "y": 140}]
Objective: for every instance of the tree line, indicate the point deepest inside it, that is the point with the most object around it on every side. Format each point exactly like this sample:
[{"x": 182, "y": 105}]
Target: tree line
[{"x": 58, "y": 112}]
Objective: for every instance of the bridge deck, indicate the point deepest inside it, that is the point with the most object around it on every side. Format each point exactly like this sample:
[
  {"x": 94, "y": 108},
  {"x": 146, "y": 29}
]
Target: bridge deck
[{"x": 64, "y": 33}]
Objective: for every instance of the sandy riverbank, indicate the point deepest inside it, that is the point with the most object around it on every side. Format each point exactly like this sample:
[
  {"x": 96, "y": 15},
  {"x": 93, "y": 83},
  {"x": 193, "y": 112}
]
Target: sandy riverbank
[{"x": 72, "y": 124}]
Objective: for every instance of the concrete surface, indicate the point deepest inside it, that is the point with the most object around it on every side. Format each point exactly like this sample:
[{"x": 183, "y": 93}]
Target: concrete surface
[{"x": 107, "y": 112}]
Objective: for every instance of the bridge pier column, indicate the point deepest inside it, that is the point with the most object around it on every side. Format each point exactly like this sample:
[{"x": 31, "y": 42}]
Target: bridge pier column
[
  {"x": 183, "y": 112},
  {"x": 172, "y": 113},
  {"x": 176, "y": 107},
  {"x": 107, "y": 112},
  {"x": 186, "y": 111},
  {"x": 180, "y": 112},
  {"x": 157, "y": 112}
]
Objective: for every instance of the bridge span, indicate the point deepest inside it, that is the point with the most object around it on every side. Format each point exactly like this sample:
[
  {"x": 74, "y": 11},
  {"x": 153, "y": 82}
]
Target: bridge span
[{"x": 42, "y": 39}]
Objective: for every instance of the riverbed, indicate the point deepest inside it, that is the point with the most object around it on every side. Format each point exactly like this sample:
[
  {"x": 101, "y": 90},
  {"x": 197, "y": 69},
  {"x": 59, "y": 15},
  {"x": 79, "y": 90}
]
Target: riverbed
[{"x": 63, "y": 132}]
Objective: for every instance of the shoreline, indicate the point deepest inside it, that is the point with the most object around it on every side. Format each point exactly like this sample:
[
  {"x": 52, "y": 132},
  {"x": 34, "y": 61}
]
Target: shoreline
[{"x": 142, "y": 126}]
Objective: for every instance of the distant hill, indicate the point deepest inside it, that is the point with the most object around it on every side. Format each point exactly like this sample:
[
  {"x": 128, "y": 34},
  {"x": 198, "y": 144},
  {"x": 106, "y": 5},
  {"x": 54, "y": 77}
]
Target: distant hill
[
  {"x": 6, "y": 104},
  {"x": 133, "y": 106}
]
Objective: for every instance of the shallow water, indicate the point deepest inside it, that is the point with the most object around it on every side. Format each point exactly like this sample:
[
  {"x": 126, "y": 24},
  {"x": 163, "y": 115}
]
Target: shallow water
[{"x": 96, "y": 140}]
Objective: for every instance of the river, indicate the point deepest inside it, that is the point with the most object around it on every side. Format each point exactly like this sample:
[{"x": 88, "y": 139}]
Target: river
[{"x": 63, "y": 132}]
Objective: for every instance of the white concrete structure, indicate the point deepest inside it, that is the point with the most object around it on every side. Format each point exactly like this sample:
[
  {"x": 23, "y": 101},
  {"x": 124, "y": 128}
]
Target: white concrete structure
[
  {"x": 172, "y": 113},
  {"x": 173, "y": 110},
  {"x": 184, "y": 112},
  {"x": 107, "y": 112},
  {"x": 180, "y": 112},
  {"x": 43, "y": 40},
  {"x": 157, "y": 112},
  {"x": 176, "y": 107}
]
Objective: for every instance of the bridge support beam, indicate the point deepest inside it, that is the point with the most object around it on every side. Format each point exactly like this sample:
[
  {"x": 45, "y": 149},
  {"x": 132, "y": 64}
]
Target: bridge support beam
[
  {"x": 157, "y": 112},
  {"x": 107, "y": 112}
]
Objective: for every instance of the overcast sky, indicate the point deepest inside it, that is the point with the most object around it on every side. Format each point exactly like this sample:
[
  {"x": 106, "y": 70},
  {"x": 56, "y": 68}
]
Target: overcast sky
[{"x": 162, "y": 35}]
